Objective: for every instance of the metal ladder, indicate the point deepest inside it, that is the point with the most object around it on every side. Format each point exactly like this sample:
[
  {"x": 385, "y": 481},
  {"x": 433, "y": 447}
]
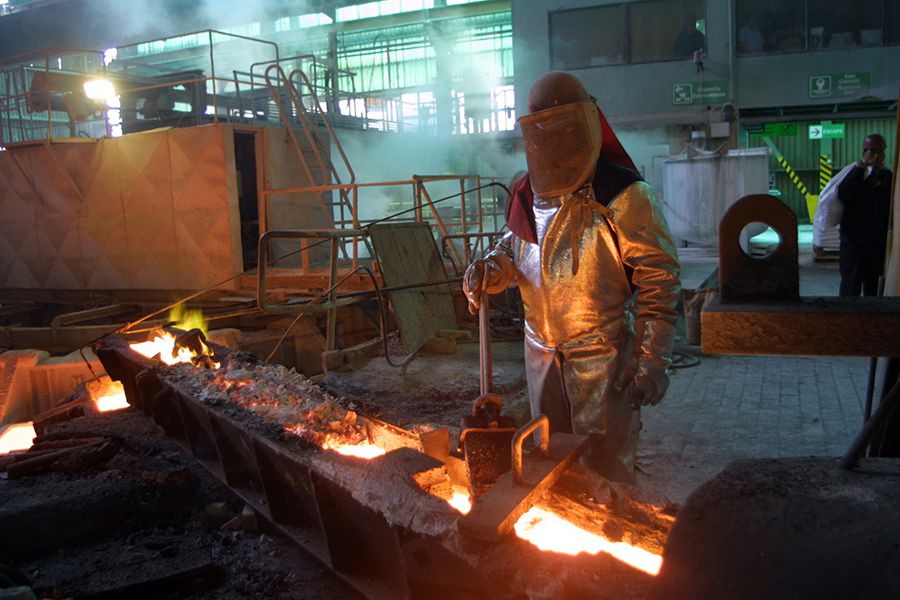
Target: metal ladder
[{"x": 277, "y": 82}]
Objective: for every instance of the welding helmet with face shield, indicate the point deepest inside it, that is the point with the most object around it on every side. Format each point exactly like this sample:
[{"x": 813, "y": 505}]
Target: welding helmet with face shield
[{"x": 562, "y": 145}]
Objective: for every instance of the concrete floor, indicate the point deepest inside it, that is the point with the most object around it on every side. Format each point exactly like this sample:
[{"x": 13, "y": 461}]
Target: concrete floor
[{"x": 733, "y": 407}]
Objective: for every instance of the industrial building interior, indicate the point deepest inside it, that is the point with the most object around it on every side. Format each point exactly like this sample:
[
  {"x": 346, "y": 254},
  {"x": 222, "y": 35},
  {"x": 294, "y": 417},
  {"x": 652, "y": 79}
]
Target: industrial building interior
[{"x": 237, "y": 356}]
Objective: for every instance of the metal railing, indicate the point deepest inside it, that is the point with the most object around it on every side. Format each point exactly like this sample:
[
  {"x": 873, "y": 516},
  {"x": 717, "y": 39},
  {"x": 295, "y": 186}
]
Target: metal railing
[{"x": 469, "y": 207}]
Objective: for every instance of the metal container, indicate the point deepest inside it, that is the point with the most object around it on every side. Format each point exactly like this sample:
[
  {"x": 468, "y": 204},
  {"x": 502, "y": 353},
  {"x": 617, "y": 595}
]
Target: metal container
[{"x": 699, "y": 189}]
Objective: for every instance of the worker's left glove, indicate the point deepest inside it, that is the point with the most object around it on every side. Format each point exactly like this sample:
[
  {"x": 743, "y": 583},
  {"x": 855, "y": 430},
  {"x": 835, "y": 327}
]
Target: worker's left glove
[{"x": 646, "y": 372}]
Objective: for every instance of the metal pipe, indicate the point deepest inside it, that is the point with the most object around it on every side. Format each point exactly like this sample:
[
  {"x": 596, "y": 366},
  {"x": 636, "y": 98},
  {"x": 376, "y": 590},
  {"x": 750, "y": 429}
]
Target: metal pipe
[
  {"x": 484, "y": 345},
  {"x": 885, "y": 408},
  {"x": 873, "y": 367}
]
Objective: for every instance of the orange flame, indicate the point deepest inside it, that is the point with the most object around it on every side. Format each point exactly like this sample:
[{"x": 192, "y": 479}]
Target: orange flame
[
  {"x": 551, "y": 533},
  {"x": 163, "y": 345},
  {"x": 113, "y": 398},
  {"x": 18, "y": 436}
]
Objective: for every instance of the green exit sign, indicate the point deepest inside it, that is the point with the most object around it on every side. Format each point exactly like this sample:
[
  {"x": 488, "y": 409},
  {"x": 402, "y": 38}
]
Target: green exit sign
[
  {"x": 776, "y": 130},
  {"x": 827, "y": 131}
]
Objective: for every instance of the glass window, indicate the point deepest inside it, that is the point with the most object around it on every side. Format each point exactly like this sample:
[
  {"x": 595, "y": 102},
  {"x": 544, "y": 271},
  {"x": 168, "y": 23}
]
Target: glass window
[
  {"x": 838, "y": 24},
  {"x": 588, "y": 37},
  {"x": 666, "y": 29},
  {"x": 892, "y": 21},
  {"x": 770, "y": 26}
]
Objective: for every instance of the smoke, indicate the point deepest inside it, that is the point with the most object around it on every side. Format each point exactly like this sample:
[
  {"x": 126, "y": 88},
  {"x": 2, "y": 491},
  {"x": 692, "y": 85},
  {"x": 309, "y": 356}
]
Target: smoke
[
  {"x": 118, "y": 22},
  {"x": 379, "y": 157}
]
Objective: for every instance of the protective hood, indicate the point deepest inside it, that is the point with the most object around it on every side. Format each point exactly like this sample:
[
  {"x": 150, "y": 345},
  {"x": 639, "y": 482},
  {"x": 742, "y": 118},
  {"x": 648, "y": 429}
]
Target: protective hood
[
  {"x": 615, "y": 172},
  {"x": 562, "y": 145}
]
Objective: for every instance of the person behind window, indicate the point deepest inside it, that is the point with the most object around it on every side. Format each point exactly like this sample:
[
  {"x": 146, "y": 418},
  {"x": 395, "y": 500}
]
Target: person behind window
[
  {"x": 866, "y": 195},
  {"x": 689, "y": 39},
  {"x": 750, "y": 38}
]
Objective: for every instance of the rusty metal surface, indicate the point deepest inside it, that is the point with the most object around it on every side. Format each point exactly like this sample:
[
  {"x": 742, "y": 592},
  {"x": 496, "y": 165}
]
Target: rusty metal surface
[
  {"x": 744, "y": 278},
  {"x": 311, "y": 506},
  {"x": 832, "y": 326}
]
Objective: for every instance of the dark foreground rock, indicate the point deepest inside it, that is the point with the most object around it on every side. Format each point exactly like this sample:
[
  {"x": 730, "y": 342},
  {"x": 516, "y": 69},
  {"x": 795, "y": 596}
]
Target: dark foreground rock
[{"x": 787, "y": 528}]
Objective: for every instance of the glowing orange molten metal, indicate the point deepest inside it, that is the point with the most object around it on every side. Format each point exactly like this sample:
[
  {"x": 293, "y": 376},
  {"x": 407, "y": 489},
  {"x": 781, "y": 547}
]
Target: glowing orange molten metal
[
  {"x": 460, "y": 500},
  {"x": 363, "y": 450},
  {"x": 552, "y": 533},
  {"x": 112, "y": 398},
  {"x": 17, "y": 437}
]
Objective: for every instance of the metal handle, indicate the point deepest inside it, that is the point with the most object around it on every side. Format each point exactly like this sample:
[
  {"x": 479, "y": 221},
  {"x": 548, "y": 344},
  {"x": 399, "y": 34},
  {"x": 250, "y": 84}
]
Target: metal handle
[
  {"x": 539, "y": 422},
  {"x": 484, "y": 345}
]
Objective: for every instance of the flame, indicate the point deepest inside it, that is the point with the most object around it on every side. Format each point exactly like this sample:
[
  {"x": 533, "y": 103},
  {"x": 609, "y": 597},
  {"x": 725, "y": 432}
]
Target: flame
[
  {"x": 18, "y": 436},
  {"x": 460, "y": 500},
  {"x": 163, "y": 345},
  {"x": 552, "y": 533},
  {"x": 188, "y": 318},
  {"x": 113, "y": 398},
  {"x": 364, "y": 450}
]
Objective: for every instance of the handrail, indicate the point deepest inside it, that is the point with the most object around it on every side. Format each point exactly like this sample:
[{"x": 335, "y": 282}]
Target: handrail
[
  {"x": 328, "y": 126},
  {"x": 262, "y": 266}
]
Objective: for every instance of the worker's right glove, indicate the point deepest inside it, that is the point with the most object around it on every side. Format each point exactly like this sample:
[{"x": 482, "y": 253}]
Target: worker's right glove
[{"x": 490, "y": 275}]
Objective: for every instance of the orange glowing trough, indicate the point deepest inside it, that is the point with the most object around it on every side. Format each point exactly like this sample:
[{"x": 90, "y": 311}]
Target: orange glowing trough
[
  {"x": 112, "y": 398},
  {"x": 364, "y": 450},
  {"x": 551, "y": 533},
  {"x": 17, "y": 437}
]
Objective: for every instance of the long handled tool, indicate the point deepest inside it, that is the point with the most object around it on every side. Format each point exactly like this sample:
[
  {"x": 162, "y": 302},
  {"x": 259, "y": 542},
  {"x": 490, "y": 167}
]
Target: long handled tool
[{"x": 486, "y": 434}]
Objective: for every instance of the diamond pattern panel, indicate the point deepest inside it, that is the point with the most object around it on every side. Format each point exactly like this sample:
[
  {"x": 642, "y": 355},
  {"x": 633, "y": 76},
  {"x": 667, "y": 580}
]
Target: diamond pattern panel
[
  {"x": 198, "y": 167},
  {"x": 150, "y": 210},
  {"x": 204, "y": 242},
  {"x": 144, "y": 171},
  {"x": 17, "y": 196}
]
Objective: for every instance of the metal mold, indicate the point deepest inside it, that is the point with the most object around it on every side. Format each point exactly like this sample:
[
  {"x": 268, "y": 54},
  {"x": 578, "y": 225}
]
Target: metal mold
[{"x": 745, "y": 278}]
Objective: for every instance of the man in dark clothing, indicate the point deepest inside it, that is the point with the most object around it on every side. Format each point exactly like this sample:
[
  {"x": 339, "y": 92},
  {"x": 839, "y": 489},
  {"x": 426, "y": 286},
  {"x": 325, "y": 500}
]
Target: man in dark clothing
[
  {"x": 689, "y": 39},
  {"x": 866, "y": 195}
]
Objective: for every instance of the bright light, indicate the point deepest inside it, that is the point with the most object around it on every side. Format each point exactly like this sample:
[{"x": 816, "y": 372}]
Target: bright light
[
  {"x": 551, "y": 533},
  {"x": 99, "y": 89},
  {"x": 109, "y": 55},
  {"x": 460, "y": 500},
  {"x": 364, "y": 450},
  {"x": 113, "y": 398},
  {"x": 17, "y": 437}
]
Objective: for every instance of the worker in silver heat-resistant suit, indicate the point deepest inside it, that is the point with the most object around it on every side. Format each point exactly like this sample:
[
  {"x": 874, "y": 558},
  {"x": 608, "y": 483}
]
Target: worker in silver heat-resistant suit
[{"x": 597, "y": 271}]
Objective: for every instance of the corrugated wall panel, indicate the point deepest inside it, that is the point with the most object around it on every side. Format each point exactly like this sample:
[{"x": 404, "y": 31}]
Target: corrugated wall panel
[{"x": 802, "y": 154}]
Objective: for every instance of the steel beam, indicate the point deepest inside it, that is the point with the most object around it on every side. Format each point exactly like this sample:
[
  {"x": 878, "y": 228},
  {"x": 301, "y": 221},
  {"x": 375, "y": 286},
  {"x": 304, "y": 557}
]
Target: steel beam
[{"x": 832, "y": 326}]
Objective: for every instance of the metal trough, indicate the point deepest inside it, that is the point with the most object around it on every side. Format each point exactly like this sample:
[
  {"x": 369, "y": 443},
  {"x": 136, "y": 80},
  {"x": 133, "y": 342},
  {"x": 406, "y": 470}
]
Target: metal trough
[{"x": 309, "y": 500}]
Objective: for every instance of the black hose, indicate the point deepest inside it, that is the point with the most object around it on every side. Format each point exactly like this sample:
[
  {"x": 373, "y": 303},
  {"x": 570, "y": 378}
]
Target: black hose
[{"x": 683, "y": 360}]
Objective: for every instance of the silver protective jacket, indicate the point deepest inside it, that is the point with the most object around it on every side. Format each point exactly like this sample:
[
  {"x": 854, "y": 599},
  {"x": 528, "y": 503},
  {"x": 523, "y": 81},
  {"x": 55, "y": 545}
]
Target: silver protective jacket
[{"x": 587, "y": 324}]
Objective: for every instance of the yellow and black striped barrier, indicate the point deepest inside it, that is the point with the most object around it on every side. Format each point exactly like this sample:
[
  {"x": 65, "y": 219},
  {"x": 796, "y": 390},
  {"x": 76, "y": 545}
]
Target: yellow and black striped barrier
[
  {"x": 826, "y": 171},
  {"x": 792, "y": 174}
]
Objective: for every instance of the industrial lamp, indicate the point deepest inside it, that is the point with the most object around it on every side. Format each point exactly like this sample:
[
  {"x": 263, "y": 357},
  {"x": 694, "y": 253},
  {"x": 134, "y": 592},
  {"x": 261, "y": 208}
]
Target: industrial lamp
[{"x": 99, "y": 89}]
